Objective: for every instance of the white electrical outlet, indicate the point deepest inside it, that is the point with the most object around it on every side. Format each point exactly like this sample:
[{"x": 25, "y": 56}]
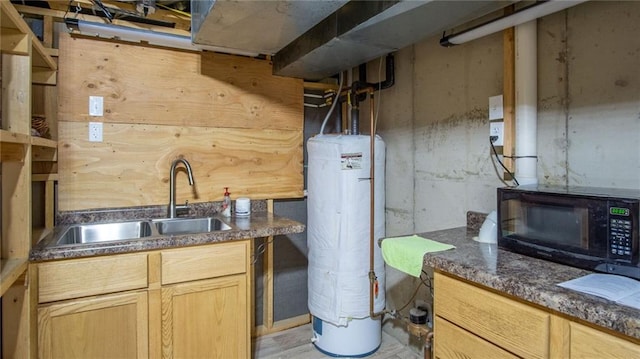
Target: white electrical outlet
[
  {"x": 496, "y": 129},
  {"x": 95, "y": 131},
  {"x": 96, "y": 106}
]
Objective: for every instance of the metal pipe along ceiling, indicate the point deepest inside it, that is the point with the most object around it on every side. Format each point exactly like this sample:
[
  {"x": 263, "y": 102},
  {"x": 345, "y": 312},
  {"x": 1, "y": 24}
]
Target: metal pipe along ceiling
[
  {"x": 317, "y": 39},
  {"x": 361, "y": 31}
]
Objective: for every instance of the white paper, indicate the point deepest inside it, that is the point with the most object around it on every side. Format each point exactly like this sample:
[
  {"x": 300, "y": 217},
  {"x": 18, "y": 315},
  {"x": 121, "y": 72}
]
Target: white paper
[
  {"x": 632, "y": 300},
  {"x": 613, "y": 287}
]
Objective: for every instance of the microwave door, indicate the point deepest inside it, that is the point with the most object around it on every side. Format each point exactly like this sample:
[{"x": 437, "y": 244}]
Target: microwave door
[{"x": 556, "y": 225}]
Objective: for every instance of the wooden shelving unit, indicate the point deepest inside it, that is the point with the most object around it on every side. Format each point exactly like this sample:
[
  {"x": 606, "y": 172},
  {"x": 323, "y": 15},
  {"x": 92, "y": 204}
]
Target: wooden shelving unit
[
  {"x": 24, "y": 62},
  {"x": 10, "y": 271}
]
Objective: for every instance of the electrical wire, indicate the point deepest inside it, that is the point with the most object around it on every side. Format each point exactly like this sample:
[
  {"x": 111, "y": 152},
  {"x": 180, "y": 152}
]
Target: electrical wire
[
  {"x": 415, "y": 292},
  {"x": 493, "y": 148},
  {"x": 64, "y": 17},
  {"x": 111, "y": 13},
  {"x": 104, "y": 9},
  {"x": 260, "y": 250}
]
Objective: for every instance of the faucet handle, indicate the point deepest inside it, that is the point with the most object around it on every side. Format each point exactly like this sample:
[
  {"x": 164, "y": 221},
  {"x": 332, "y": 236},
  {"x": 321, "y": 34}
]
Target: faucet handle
[{"x": 182, "y": 209}]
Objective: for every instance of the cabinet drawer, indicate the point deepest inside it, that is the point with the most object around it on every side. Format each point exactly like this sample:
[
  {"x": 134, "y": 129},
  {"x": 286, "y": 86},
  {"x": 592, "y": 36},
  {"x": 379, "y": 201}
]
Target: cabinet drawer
[
  {"x": 216, "y": 260},
  {"x": 514, "y": 326},
  {"x": 591, "y": 343},
  {"x": 454, "y": 342},
  {"x": 77, "y": 278}
]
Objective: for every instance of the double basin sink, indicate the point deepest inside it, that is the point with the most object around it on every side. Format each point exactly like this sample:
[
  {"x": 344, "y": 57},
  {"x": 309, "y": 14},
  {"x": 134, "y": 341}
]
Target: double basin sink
[{"x": 128, "y": 230}]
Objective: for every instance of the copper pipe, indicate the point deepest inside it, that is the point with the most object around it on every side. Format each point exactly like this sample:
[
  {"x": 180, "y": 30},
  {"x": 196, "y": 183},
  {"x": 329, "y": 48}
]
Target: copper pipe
[
  {"x": 428, "y": 345},
  {"x": 422, "y": 332},
  {"x": 372, "y": 274},
  {"x": 347, "y": 89}
]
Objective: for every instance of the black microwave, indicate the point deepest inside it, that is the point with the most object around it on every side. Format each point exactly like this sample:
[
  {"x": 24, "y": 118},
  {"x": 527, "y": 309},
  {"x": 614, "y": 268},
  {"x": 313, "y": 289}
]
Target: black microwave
[{"x": 585, "y": 227}]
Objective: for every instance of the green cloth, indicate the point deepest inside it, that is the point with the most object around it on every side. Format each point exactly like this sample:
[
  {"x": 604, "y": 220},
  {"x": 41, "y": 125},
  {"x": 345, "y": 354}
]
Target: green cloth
[{"x": 407, "y": 253}]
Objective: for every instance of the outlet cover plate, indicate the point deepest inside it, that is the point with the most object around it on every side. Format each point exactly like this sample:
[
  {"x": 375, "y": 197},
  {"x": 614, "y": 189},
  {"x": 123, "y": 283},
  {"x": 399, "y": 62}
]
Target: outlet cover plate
[
  {"x": 496, "y": 128},
  {"x": 95, "y": 131}
]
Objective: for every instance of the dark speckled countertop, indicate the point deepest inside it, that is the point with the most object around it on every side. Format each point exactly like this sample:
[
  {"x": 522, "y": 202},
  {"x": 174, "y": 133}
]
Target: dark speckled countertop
[
  {"x": 530, "y": 279},
  {"x": 258, "y": 224}
]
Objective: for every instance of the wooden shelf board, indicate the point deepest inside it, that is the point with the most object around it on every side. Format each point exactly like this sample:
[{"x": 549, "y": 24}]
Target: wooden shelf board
[
  {"x": 13, "y": 137},
  {"x": 43, "y": 142},
  {"x": 52, "y": 52},
  {"x": 44, "y": 150},
  {"x": 44, "y": 177},
  {"x": 43, "y": 76},
  {"x": 10, "y": 271},
  {"x": 12, "y": 152},
  {"x": 14, "y": 42}
]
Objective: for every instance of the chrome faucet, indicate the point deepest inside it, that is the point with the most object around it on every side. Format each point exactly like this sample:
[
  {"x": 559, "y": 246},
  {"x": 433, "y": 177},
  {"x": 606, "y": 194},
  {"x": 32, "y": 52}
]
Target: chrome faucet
[{"x": 172, "y": 184}]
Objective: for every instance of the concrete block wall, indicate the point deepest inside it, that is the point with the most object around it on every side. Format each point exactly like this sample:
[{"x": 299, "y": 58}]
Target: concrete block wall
[{"x": 435, "y": 121}]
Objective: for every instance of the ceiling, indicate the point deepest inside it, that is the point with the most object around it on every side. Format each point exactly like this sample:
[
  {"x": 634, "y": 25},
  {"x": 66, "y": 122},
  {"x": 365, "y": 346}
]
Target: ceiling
[
  {"x": 309, "y": 39},
  {"x": 314, "y": 39}
]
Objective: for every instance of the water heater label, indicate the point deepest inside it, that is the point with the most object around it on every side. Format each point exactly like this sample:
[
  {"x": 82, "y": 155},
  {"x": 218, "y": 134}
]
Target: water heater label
[{"x": 351, "y": 161}]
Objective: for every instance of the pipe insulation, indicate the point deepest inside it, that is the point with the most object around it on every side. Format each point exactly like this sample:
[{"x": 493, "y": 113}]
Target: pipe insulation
[{"x": 526, "y": 84}]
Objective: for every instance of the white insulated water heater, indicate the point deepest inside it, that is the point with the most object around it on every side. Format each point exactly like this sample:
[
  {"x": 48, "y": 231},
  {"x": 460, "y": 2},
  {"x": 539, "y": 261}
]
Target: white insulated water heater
[{"x": 338, "y": 228}]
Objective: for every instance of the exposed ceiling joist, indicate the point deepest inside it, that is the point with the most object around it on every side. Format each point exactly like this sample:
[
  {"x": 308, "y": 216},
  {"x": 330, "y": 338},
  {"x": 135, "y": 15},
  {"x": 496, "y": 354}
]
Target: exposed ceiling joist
[{"x": 59, "y": 9}]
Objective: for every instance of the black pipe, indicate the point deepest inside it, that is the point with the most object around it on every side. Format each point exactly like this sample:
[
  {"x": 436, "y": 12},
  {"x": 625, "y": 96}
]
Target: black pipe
[
  {"x": 355, "y": 120},
  {"x": 362, "y": 83},
  {"x": 362, "y": 79},
  {"x": 381, "y": 85},
  {"x": 390, "y": 78}
]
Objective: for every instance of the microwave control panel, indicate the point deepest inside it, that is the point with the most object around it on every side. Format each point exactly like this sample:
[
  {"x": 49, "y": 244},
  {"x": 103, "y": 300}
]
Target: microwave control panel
[{"x": 620, "y": 233}]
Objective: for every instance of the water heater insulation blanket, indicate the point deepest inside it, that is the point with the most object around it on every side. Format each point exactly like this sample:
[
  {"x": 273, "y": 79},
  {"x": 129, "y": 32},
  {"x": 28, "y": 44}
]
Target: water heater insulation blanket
[{"x": 338, "y": 206}]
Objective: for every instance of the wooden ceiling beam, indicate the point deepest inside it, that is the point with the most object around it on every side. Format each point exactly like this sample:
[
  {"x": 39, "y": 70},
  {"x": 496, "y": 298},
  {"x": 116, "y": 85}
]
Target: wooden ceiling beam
[
  {"x": 59, "y": 8},
  {"x": 58, "y": 15}
]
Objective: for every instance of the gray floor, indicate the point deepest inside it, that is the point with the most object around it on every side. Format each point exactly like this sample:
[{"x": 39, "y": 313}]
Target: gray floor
[{"x": 295, "y": 344}]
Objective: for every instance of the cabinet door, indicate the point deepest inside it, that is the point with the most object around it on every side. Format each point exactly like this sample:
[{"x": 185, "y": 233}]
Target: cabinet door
[
  {"x": 109, "y": 326},
  {"x": 206, "y": 319},
  {"x": 454, "y": 342},
  {"x": 591, "y": 343}
]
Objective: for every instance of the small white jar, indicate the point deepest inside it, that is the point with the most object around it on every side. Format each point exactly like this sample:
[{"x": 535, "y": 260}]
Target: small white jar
[{"x": 243, "y": 206}]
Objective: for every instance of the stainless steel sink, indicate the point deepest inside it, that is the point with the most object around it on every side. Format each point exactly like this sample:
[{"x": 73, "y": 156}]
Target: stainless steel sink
[
  {"x": 131, "y": 230},
  {"x": 189, "y": 225},
  {"x": 103, "y": 232}
]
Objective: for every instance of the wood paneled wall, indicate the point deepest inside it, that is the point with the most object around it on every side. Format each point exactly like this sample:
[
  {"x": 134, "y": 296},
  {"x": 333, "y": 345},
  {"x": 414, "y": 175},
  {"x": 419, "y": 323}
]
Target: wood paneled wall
[{"x": 237, "y": 125}]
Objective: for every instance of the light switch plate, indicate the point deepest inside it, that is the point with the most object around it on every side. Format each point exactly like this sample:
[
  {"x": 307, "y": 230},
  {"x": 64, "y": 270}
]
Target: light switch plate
[
  {"x": 96, "y": 105},
  {"x": 495, "y": 108}
]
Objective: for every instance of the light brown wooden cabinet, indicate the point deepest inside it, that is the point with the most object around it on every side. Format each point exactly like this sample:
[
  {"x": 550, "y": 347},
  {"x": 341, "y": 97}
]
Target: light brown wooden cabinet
[
  {"x": 205, "y": 302},
  {"x": 206, "y": 319},
  {"x": 107, "y": 326},
  {"x": 174, "y": 303},
  {"x": 473, "y": 322},
  {"x": 586, "y": 342},
  {"x": 455, "y": 342}
]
